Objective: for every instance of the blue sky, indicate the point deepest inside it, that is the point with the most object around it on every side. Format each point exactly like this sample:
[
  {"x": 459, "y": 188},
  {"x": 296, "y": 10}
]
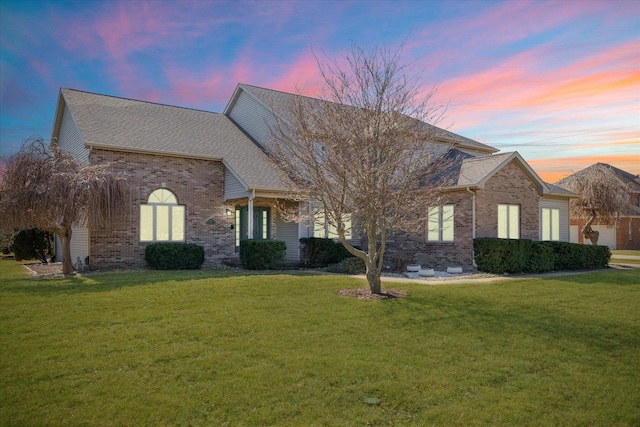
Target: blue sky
[{"x": 558, "y": 81}]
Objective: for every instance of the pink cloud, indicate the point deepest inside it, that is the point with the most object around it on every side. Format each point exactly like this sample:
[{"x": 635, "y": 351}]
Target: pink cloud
[
  {"x": 198, "y": 88},
  {"x": 523, "y": 85},
  {"x": 302, "y": 75}
]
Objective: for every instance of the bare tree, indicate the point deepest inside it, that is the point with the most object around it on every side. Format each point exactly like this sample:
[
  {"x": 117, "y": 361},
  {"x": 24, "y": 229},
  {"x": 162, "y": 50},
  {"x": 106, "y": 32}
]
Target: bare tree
[
  {"x": 47, "y": 188},
  {"x": 602, "y": 196},
  {"x": 364, "y": 150}
]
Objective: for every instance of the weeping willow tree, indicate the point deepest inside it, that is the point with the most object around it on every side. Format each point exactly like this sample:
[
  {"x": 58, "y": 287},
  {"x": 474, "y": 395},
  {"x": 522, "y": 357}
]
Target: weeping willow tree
[
  {"x": 45, "y": 187},
  {"x": 601, "y": 195}
]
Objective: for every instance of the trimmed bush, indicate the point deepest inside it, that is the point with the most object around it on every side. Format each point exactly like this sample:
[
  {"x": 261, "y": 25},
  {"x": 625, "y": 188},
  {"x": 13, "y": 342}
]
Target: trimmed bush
[
  {"x": 319, "y": 252},
  {"x": 174, "y": 256},
  {"x": 33, "y": 243},
  {"x": 499, "y": 256},
  {"x": 262, "y": 254},
  {"x": 353, "y": 265},
  {"x": 571, "y": 256}
]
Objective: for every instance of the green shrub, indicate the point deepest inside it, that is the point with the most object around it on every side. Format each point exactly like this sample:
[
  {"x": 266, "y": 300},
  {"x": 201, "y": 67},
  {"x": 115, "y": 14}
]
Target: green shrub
[
  {"x": 319, "y": 252},
  {"x": 353, "y": 265},
  {"x": 262, "y": 254},
  {"x": 33, "y": 243},
  {"x": 500, "y": 255},
  {"x": 527, "y": 256},
  {"x": 174, "y": 256},
  {"x": 571, "y": 256}
]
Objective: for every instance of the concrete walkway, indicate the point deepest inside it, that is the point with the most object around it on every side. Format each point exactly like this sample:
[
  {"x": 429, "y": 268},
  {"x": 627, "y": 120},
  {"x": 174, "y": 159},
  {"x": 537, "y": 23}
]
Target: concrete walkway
[
  {"x": 633, "y": 257},
  {"x": 487, "y": 278}
]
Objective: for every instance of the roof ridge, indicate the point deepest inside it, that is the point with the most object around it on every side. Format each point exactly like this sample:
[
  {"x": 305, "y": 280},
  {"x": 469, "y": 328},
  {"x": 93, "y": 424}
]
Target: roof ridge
[
  {"x": 288, "y": 93},
  {"x": 440, "y": 132},
  {"x": 489, "y": 156},
  {"x": 161, "y": 104}
]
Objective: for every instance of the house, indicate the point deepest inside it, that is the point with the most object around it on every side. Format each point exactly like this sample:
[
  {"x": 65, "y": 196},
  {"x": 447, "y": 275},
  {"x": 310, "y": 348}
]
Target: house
[
  {"x": 625, "y": 233},
  {"x": 204, "y": 178}
]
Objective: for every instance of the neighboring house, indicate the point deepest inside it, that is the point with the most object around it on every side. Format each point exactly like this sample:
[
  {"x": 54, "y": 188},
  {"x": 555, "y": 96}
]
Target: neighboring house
[
  {"x": 204, "y": 178},
  {"x": 625, "y": 233}
]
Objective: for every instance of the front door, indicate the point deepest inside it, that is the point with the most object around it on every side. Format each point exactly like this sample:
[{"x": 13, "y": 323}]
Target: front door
[{"x": 261, "y": 224}]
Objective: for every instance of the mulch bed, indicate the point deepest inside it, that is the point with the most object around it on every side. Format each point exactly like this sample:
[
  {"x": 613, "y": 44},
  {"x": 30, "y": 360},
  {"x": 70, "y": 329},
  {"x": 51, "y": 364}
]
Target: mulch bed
[
  {"x": 365, "y": 293},
  {"x": 53, "y": 270}
]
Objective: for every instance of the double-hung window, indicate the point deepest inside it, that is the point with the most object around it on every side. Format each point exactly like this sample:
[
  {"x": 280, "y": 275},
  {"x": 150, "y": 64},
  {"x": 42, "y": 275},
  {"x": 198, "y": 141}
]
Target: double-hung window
[
  {"x": 440, "y": 222},
  {"x": 509, "y": 221},
  {"x": 550, "y": 224},
  {"x": 325, "y": 229},
  {"x": 162, "y": 218}
]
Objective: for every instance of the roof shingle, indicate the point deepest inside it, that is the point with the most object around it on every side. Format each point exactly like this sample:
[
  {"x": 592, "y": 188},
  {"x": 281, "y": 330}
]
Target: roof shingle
[{"x": 125, "y": 124}]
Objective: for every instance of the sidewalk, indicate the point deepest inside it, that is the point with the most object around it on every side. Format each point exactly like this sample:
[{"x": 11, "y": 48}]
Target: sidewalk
[
  {"x": 487, "y": 278},
  {"x": 634, "y": 257}
]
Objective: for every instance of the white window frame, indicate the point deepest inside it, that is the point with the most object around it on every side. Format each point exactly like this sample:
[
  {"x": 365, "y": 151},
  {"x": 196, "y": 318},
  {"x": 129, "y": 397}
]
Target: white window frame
[
  {"x": 508, "y": 221},
  {"x": 550, "y": 224},
  {"x": 174, "y": 227},
  {"x": 441, "y": 224},
  {"x": 323, "y": 230}
]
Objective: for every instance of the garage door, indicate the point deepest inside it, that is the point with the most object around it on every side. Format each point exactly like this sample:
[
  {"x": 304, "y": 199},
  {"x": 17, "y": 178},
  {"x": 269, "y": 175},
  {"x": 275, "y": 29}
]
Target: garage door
[
  {"x": 573, "y": 234},
  {"x": 607, "y": 236}
]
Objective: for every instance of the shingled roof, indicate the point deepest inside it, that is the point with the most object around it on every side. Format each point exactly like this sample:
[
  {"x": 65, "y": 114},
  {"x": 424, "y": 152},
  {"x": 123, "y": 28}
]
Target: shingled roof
[
  {"x": 279, "y": 103},
  {"x": 114, "y": 123}
]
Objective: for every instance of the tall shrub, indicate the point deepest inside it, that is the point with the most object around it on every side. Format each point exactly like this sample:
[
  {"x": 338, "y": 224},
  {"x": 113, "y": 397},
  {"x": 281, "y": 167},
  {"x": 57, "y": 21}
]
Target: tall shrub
[
  {"x": 262, "y": 254},
  {"x": 319, "y": 252},
  {"x": 174, "y": 256},
  {"x": 33, "y": 243}
]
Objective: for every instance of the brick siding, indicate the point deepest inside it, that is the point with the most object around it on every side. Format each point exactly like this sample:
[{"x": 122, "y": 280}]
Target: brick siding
[
  {"x": 197, "y": 184},
  {"x": 510, "y": 185}
]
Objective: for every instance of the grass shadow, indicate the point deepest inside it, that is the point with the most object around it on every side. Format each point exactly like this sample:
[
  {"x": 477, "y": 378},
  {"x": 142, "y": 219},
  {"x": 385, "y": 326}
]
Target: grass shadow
[{"x": 113, "y": 280}]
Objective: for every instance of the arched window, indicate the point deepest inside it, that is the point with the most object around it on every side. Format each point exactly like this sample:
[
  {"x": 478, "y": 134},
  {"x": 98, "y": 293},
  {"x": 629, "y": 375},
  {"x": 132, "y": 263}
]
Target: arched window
[{"x": 162, "y": 218}]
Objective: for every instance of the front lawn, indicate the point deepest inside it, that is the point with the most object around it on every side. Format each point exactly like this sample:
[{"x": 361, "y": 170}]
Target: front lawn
[{"x": 222, "y": 348}]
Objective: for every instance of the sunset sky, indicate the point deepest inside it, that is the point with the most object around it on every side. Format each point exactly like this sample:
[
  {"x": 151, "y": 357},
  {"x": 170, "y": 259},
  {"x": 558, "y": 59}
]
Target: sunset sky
[{"x": 557, "y": 81}]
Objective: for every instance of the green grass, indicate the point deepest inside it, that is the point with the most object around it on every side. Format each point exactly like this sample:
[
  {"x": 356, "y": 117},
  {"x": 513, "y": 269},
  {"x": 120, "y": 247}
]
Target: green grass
[
  {"x": 616, "y": 260},
  {"x": 624, "y": 252},
  {"x": 222, "y": 348}
]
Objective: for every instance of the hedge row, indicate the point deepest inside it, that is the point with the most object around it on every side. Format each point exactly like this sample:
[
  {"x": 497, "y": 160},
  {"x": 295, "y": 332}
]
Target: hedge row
[
  {"x": 527, "y": 256},
  {"x": 317, "y": 252},
  {"x": 262, "y": 254},
  {"x": 174, "y": 256}
]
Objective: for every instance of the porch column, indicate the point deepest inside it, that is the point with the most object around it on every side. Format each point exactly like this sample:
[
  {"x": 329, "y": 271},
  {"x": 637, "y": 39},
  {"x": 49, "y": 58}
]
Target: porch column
[{"x": 250, "y": 216}]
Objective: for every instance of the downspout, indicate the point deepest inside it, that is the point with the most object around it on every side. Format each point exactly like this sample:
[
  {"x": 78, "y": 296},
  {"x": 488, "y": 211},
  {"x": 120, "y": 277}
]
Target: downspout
[
  {"x": 473, "y": 224},
  {"x": 250, "y": 215}
]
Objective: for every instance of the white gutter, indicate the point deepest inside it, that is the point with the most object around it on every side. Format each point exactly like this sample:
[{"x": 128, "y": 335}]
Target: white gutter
[{"x": 473, "y": 224}]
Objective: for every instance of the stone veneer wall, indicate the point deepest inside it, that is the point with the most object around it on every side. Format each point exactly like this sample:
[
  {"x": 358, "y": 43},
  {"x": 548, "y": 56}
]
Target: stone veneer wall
[
  {"x": 510, "y": 185},
  {"x": 197, "y": 184}
]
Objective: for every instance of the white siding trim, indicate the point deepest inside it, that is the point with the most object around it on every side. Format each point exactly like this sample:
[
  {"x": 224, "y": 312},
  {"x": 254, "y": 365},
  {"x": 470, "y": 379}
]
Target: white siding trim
[
  {"x": 234, "y": 188},
  {"x": 70, "y": 138},
  {"x": 79, "y": 245},
  {"x": 563, "y": 206},
  {"x": 288, "y": 232},
  {"x": 253, "y": 117}
]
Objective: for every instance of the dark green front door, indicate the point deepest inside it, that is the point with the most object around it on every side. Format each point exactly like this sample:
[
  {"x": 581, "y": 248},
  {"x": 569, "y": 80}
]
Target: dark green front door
[{"x": 261, "y": 224}]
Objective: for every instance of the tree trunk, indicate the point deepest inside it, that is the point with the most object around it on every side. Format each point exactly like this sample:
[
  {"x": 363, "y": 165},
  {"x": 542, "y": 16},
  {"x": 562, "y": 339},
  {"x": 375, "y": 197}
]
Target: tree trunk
[
  {"x": 588, "y": 232},
  {"x": 373, "y": 278},
  {"x": 65, "y": 241}
]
